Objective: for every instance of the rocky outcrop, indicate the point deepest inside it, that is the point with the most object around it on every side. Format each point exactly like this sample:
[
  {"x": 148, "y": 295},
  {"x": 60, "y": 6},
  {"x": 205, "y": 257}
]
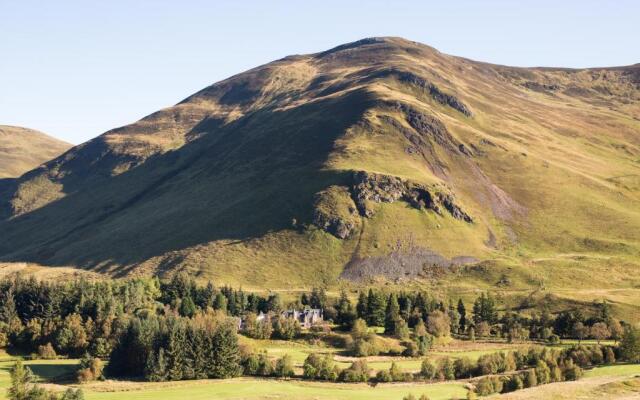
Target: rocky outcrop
[
  {"x": 369, "y": 188},
  {"x": 429, "y": 128},
  {"x": 338, "y": 209},
  {"x": 431, "y": 89},
  {"x": 335, "y": 212}
]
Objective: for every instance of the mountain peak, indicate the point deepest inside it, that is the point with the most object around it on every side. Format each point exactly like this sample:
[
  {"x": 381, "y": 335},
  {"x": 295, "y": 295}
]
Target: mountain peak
[{"x": 374, "y": 158}]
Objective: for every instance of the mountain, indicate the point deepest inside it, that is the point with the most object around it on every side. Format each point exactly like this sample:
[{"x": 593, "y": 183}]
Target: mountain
[
  {"x": 378, "y": 160},
  {"x": 23, "y": 149}
]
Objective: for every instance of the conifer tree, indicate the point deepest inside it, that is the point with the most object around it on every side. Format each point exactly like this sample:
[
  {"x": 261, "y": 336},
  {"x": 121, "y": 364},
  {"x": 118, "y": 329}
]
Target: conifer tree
[
  {"x": 361, "y": 307},
  {"x": 176, "y": 353},
  {"x": 463, "y": 315},
  {"x": 224, "y": 357},
  {"x": 392, "y": 316}
]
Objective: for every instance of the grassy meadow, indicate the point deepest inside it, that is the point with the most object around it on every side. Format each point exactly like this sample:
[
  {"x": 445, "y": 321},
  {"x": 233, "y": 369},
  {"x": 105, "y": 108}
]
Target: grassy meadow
[{"x": 57, "y": 375}]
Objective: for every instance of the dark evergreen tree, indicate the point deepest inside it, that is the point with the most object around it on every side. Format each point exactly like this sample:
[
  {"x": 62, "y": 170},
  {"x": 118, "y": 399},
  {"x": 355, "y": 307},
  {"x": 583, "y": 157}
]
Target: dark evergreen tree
[
  {"x": 361, "y": 307},
  {"x": 376, "y": 308},
  {"x": 462, "y": 311},
  {"x": 392, "y": 315},
  {"x": 224, "y": 358}
]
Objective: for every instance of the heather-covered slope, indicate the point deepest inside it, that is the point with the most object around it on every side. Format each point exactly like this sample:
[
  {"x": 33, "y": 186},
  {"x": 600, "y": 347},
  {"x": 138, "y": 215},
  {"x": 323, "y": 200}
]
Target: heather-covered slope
[
  {"x": 381, "y": 157},
  {"x": 23, "y": 149}
]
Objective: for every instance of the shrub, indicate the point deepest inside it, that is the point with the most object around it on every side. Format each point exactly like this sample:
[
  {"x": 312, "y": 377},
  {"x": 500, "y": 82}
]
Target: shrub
[
  {"x": 428, "y": 370},
  {"x": 630, "y": 344},
  {"x": 250, "y": 364},
  {"x": 319, "y": 367},
  {"x": 446, "y": 369},
  {"x": 265, "y": 365},
  {"x": 286, "y": 328},
  {"x": 530, "y": 379},
  {"x": 47, "y": 352},
  {"x": 90, "y": 369},
  {"x": 383, "y": 376},
  {"x": 515, "y": 383},
  {"x": 489, "y": 385},
  {"x": 553, "y": 339},
  {"x": 357, "y": 372},
  {"x": 609, "y": 356},
  {"x": 543, "y": 373},
  {"x": 464, "y": 367},
  {"x": 438, "y": 324},
  {"x": 284, "y": 367}
]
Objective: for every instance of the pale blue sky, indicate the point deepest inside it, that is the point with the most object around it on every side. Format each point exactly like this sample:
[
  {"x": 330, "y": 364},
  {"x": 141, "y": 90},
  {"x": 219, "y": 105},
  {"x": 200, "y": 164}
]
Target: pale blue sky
[{"x": 75, "y": 69}]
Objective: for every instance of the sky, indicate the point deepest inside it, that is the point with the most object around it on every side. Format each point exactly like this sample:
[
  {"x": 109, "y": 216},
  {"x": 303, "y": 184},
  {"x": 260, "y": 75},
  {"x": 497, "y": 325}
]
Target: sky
[{"x": 75, "y": 69}]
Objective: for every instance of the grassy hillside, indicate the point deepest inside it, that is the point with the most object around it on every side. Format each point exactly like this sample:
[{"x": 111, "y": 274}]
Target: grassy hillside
[
  {"x": 23, "y": 149},
  {"x": 376, "y": 161}
]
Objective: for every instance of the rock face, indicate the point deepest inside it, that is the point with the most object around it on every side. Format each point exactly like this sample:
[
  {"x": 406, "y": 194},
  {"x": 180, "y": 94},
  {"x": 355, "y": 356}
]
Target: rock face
[
  {"x": 377, "y": 188},
  {"x": 431, "y": 89},
  {"x": 336, "y": 209},
  {"x": 335, "y": 212}
]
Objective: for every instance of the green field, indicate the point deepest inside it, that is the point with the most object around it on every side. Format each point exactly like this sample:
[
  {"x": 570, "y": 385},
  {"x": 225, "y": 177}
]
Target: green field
[
  {"x": 250, "y": 389},
  {"x": 59, "y": 371}
]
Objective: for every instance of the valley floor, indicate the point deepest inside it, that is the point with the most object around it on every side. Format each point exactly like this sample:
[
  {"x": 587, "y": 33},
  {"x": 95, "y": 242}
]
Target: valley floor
[{"x": 619, "y": 382}]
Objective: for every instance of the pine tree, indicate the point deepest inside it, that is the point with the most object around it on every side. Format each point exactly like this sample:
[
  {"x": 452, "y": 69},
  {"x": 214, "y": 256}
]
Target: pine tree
[
  {"x": 187, "y": 307},
  {"x": 176, "y": 353},
  {"x": 454, "y": 318},
  {"x": 345, "y": 314},
  {"x": 225, "y": 355},
  {"x": 220, "y": 302},
  {"x": 376, "y": 307},
  {"x": 463, "y": 315},
  {"x": 392, "y": 315},
  {"x": 197, "y": 353},
  {"x": 361, "y": 307},
  {"x": 21, "y": 379}
]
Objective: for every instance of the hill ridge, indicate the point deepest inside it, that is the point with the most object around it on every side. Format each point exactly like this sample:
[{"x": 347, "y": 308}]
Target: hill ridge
[{"x": 302, "y": 164}]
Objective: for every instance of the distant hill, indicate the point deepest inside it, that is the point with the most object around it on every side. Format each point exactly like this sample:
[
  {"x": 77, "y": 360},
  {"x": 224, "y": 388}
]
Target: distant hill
[
  {"x": 378, "y": 160},
  {"x": 23, "y": 149}
]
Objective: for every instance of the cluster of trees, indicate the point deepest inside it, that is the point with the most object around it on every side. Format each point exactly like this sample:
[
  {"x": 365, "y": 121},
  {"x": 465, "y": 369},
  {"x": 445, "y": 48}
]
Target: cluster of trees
[
  {"x": 271, "y": 328},
  {"x": 259, "y": 364},
  {"x": 78, "y": 317},
  {"x": 177, "y": 330},
  {"x": 321, "y": 367},
  {"x": 161, "y": 348},
  {"x": 537, "y": 366},
  {"x": 397, "y": 312}
]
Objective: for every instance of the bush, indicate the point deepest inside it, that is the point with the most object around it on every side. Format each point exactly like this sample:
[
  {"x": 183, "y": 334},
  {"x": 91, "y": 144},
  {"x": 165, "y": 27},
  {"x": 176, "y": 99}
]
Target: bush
[
  {"x": 319, "y": 367},
  {"x": 383, "y": 376},
  {"x": 90, "y": 369},
  {"x": 47, "y": 352},
  {"x": 515, "y": 383},
  {"x": 489, "y": 385},
  {"x": 609, "y": 356},
  {"x": 286, "y": 328},
  {"x": 530, "y": 379},
  {"x": 284, "y": 367},
  {"x": 446, "y": 369},
  {"x": 553, "y": 339},
  {"x": 543, "y": 373},
  {"x": 357, "y": 372},
  {"x": 464, "y": 367},
  {"x": 428, "y": 370}
]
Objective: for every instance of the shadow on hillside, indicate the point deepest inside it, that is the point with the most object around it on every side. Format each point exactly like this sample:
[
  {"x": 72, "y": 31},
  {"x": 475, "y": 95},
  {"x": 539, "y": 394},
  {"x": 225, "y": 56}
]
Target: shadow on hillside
[{"x": 238, "y": 182}]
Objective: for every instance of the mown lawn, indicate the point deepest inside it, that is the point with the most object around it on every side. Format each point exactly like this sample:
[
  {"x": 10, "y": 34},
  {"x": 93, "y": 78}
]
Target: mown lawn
[
  {"x": 614, "y": 370},
  {"x": 256, "y": 389}
]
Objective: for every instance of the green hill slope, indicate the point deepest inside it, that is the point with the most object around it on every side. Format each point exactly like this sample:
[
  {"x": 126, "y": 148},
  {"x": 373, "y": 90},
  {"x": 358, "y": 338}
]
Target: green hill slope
[
  {"x": 23, "y": 149},
  {"x": 379, "y": 158}
]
